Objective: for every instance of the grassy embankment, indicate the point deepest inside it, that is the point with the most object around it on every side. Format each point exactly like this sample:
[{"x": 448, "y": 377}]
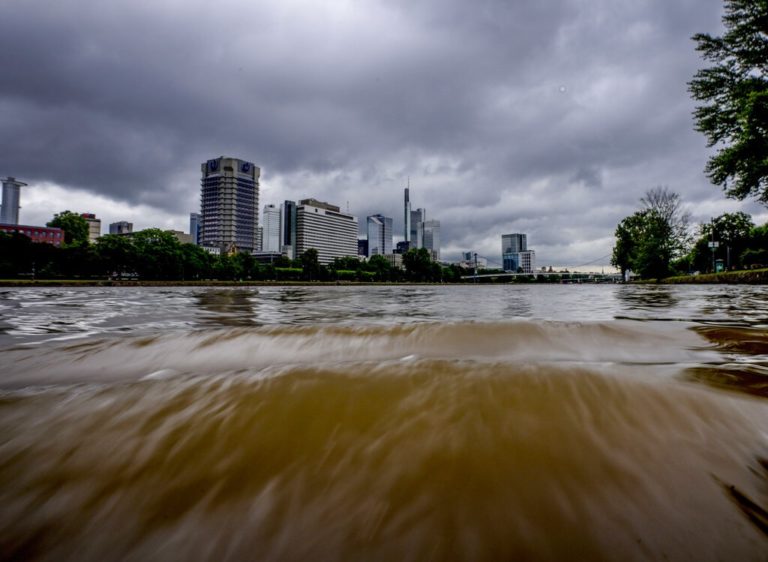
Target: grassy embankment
[{"x": 744, "y": 277}]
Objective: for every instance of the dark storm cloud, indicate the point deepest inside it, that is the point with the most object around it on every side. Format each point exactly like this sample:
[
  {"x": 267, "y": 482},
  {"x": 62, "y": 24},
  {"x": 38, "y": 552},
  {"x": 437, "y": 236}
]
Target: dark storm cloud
[{"x": 553, "y": 117}]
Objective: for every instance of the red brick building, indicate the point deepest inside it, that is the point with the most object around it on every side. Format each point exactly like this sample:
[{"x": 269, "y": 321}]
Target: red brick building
[{"x": 44, "y": 234}]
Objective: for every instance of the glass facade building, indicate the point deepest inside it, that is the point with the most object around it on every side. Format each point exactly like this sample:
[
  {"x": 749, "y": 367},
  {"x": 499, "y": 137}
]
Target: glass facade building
[{"x": 379, "y": 235}]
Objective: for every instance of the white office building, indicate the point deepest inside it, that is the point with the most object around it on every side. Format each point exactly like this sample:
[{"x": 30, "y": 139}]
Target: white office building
[
  {"x": 271, "y": 229},
  {"x": 325, "y": 228}
]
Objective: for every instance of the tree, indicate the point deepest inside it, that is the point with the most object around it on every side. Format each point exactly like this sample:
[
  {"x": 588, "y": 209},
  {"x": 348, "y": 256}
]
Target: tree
[
  {"x": 380, "y": 267},
  {"x": 15, "y": 254},
  {"x": 418, "y": 264},
  {"x": 116, "y": 254},
  {"x": 158, "y": 254},
  {"x": 196, "y": 262},
  {"x": 734, "y": 92},
  {"x": 732, "y": 231},
  {"x": 74, "y": 226},
  {"x": 629, "y": 234},
  {"x": 310, "y": 263},
  {"x": 650, "y": 239},
  {"x": 757, "y": 253}
]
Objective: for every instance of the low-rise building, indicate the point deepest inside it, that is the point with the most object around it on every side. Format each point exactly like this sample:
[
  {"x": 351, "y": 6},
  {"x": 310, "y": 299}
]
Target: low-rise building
[
  {"x": 44, "y": 234},
  {"x": 94, "y": 226},
  {"x": 121, "y": 227}
]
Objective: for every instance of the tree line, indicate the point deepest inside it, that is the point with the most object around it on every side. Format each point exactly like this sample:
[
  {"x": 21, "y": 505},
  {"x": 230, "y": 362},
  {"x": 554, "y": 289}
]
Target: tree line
[
  {"x": 656, "y": 240},
  {"x": 154, "y": 254}
]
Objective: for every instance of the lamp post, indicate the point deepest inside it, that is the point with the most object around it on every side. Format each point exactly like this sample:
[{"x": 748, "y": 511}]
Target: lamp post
[{"x": 713, "y": 245}]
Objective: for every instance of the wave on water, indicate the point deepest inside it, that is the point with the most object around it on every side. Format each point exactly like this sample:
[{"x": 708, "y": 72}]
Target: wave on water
[
  {"x": 234, "y": 349},
  {"x": 465, "y": 441}
]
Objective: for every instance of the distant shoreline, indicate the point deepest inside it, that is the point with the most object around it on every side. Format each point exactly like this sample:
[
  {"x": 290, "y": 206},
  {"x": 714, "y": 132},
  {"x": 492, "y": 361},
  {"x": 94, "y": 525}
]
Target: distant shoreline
[
  {"x": 745, "y": 277},
  {"x": 180, "y": 283}
]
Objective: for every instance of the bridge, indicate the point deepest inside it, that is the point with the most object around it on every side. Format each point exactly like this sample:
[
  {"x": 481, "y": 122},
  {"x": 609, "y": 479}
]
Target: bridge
[{"x": 570, "y": 277}]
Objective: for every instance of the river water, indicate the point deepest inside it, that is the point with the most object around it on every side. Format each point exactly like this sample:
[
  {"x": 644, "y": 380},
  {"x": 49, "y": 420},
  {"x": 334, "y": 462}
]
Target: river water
[{"x": 516, "y": 422}]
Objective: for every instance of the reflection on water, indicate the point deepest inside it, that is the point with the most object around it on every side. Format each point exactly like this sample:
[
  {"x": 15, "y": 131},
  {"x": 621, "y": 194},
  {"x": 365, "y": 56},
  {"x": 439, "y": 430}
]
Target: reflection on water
[
  {"x": 648, "y": 297},
  {"x": 384, "y": 423},
  {"x": 229, "y": 307}
]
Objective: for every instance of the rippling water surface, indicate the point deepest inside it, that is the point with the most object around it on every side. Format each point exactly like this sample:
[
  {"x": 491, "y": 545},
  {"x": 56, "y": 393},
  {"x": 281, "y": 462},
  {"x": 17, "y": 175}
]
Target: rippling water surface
[{"x": 384, "y": 423}]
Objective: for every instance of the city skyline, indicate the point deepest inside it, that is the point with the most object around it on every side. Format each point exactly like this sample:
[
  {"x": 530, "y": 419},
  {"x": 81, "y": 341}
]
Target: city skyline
[{"x": 557, "y": 122}]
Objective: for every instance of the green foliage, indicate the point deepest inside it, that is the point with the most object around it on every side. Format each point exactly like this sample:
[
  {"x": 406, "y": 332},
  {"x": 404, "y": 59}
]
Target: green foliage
[
  {"x": 196, "y": 263},
  {"x": 74, "y": 226},
  {"x": 116, "y": 254},
  {"x": 733, "y": 233},
  {"x": 16, "y": 254},
  {"x": 288, "y": 273},
  {"x": 158, "y": 254},
  {"x": 734, "y": 92},
  {"x": 349, "y": 263},
  {"x": 379, "y": 266},
  {"x": 418, "y": 265},
  {"x": 757, "y": 253},
  {"x": 649, "y": 240},
  {"x": 310, "y": 264}
]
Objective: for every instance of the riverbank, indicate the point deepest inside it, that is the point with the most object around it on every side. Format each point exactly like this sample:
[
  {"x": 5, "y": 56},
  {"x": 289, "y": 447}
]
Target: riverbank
[
  {"x": 171, "y": 283},
  {"x": 745, "y": 277}
]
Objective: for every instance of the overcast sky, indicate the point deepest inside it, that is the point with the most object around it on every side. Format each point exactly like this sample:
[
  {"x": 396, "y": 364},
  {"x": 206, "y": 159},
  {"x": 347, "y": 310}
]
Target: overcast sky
[{"x": 545, "y": 117}]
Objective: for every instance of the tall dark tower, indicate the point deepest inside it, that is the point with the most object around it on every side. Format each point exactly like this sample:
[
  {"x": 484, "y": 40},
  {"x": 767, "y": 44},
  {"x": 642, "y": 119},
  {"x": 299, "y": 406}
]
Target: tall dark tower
[{"x": 407, "y": 213}]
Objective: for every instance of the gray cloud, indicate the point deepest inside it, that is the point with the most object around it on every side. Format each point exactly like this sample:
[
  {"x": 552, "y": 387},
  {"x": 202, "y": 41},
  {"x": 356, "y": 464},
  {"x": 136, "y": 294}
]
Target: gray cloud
[{"x": 546, "y": 117}]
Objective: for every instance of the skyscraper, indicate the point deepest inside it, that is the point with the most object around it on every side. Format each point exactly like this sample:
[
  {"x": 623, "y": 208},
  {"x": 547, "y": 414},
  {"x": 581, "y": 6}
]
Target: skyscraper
[
  {"x": 513, "y": 243},
  {"x": 288, "y": 227},
  {"x": 379, "y": 235},
  {"x": 271, "y": 232},
  {"x": 325, "y": 228},
  {"x": 194, "y": 227},
  {"x": 431, "y": 238},
  {"x": 515, "y": 255},
  {"x": 407, "y": 214},
  {"x": 9, "y": 213},
  {"x": 229, "y": 202},
  {"x": 417, "y": 218}
]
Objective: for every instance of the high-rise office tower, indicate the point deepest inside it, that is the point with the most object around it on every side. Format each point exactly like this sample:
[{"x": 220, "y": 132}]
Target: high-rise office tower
[
  {"x": 417, "y": 229},
  {"x": 407, "y": 214},
  {"x": 121, "y": 227},
  {"x": 325, "y": 228},
  {"x": 288, "y": 227},
  {"x": 515, "y": 254},
  {"x": 194, "y": 227},
  {"x": 379, "y": 235},
  {"x": 259, "y": 246},
  {"x": 513, "y": 243},
  {"x": 431, "y": 238},
  {"x": 229, "y": 203},
  {"x": 9, "y": 212},
  {"x": 271, "y": 229},
  {"x": 94, "y": 226}
]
